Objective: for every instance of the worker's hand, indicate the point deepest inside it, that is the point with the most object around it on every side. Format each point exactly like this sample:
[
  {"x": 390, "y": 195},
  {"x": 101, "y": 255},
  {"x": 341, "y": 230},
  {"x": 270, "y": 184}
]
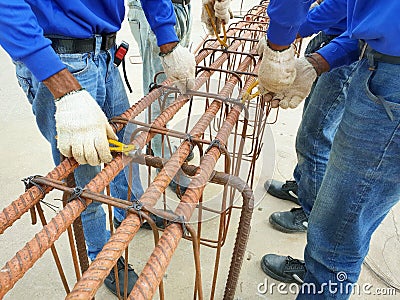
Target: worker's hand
[
  {"x": 277, "y": 69},
  {"x": 180, "y": 66},
  {"x": 262, "y": 44},
  {"x": 83, "y": 129},
  {"x": 301, "y": 87},
  {"x": 221, "y": 8},
  {"x": 219, "y": 13}
]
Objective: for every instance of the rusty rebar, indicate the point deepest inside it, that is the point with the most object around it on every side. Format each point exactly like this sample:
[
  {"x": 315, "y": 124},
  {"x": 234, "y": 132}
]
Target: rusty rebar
[
  {"x": 155, "y": 268},
  {"x": 25, "y": 258}
]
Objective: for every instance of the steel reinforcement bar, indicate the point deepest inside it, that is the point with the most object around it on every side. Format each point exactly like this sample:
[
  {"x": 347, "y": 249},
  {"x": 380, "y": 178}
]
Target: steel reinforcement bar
[{"x": 26, "y": 257}]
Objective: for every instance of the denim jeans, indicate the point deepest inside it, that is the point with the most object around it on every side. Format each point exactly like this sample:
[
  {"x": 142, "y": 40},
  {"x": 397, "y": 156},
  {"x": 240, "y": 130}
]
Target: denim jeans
[
  {"x": 322, "y": 113},
  {"x": 149, "y": 51},
  {"x": 97, "y": 74},
  {"x": 361, "y": 183},
  {"x": 323, "y": 110}
]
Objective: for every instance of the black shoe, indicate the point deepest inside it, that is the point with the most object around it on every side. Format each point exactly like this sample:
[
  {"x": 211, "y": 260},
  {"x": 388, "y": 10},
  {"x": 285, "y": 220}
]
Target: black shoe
[
  {"x": 158, "y": 220},
  {"x": 285, "y": 191},
  {"x": 284, "y": 268},
  {"x": 110, "y": 281},
  {"x": 291, "y": 221}
]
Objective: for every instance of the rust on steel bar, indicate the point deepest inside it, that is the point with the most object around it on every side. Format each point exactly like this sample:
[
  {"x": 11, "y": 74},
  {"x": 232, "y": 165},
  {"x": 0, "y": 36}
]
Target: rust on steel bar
[
  {"x": 105, "y": 176},
  {"x": 28, "y": 199},
  {"x": 243, "y": 230},
  {"x": 87, "y": 286},
  {"x": 25, "y": 258},
  {"x": 161, "y": 256}
]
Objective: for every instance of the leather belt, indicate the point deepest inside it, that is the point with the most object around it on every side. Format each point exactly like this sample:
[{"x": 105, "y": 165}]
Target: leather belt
[
  {"x": 182, "y": 2},
  {"x": 366, "y": 51},
  {"x": 65, "y": 45}
]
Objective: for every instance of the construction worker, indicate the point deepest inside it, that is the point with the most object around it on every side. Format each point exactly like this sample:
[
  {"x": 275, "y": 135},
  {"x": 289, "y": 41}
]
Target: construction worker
[
  {"x": 361, "y": 182},
  {"x": 64, "y": 54},
  {"x": 322, "y": 112}
]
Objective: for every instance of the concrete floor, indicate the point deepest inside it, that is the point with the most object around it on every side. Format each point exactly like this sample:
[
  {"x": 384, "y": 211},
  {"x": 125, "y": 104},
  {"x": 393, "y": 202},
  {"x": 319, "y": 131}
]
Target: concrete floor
[{"x": 24, "y": 152}]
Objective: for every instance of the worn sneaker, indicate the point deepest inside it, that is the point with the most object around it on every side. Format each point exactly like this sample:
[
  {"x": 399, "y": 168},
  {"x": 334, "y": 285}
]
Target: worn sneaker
[
  {"x": 158, "y": 220},
  {"x": 111, "y": 283},
  {"x": 284, "y": 268},
  {"x": 291, "y": 221},
  {"x": 285, "y": 191}
]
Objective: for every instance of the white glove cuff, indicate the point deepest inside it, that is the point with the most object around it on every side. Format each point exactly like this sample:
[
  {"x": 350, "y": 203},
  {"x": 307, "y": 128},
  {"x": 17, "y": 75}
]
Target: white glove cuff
[
  {"x": 279, "y": 56},
  {"x": 68, "y": 94}
]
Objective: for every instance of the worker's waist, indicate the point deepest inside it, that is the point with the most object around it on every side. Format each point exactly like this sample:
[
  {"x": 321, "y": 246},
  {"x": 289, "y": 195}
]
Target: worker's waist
[
  {"x": 66, "y": 45},
  {"x": 183, "y": 2},
  {"x": 368, "y": 51}
]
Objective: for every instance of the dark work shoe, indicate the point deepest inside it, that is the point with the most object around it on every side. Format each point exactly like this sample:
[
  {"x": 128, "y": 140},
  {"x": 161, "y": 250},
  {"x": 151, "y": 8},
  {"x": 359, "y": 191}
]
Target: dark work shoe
[
  {"x": 158, "y": 220},
  {"x": 291, "y": 221},
  {"x": 284, "y": 268},
  {"x": 110, "y": 281},
  {"x": 281, "y": 190}
]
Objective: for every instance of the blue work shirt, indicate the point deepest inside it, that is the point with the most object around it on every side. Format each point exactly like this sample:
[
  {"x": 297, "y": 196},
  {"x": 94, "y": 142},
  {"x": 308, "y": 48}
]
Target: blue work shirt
[
  {"x": 329, "y": 17},
  {"x": 23, "y": 25},
  {"x": 375, "y": 22}
]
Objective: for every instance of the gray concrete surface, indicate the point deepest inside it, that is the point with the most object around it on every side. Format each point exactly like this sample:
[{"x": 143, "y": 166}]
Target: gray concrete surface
[{"x": 24, "y": 152}]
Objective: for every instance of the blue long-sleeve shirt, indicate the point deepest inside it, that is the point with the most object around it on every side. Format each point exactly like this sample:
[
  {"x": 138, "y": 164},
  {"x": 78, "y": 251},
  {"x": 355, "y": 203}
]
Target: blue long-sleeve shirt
[
  {"x": 376, "y": 22},
  {"x": 23, "y": 24},
  {"x": 329, "y": 17}
]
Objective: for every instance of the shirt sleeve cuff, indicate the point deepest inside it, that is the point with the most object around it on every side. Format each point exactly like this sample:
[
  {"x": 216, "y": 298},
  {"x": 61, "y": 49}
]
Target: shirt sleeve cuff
[
  {"x": 43, "y": 63},
  {"x": 337, "y": 56},
  {"x": 281, "y": 35},
  {"x": 165, "y": 35}
]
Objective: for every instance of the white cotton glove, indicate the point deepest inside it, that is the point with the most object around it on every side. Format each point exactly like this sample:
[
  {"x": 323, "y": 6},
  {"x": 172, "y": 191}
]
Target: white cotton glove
[
  {"x": 277, "y": 69},
  {"x": 221, "y": 9},
  {"x": 301, "y": 87},
  {"x": 180, "y": 66},
  {"x": 262, "y": 44},
  {"x": 83, "y": 129},
  {"x": 220, "y": 12}
]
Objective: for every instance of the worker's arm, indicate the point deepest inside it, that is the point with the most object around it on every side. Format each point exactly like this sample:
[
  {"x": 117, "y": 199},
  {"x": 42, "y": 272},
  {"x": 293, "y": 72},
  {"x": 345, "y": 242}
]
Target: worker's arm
[
  {"x": 179, "y": 64},
  {"x": 22, "y": 38},
  {"x": 286, "y": 16},
  {"x": 340, "y": 51},
  {"x": 330, "y": 13},
  {"x": 161, "y": 17},
  {"x": 82, "y": 128}
]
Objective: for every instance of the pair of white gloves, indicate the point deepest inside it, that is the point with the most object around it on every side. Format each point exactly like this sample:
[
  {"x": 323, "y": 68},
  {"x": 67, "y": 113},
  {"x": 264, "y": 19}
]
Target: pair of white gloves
[
  {"x": 83, "y": 129},
  {"x": 220, "y": 13},
  {"x": 287, "y": 78}
]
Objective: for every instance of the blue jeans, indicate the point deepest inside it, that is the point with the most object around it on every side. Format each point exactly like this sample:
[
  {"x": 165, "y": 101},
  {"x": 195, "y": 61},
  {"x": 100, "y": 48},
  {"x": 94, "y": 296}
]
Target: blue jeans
[
  {"x": 149, "y": 51},
  {"x": 96, "y": 73},
  {"x": 361, "y": 182},
  {"x": 323, "y": 110}
]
